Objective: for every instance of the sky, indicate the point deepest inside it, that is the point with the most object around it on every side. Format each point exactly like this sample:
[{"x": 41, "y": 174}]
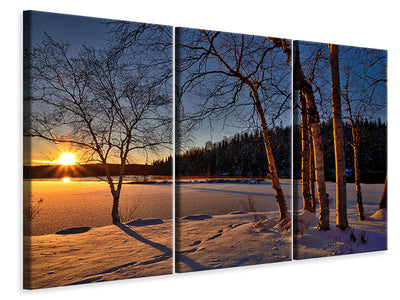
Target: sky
[
  {"x": 216, "y": 128},
  {"x": 365, "y": 66},
  {"x": 76, "y": 30}
]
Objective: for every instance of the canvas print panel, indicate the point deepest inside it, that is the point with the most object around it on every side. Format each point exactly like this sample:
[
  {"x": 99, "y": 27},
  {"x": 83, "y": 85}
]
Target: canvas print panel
[
  {"x": 340, "y": 150},
  {"x": 97, "y": 150},
  {"x": 233, "y": 150}
]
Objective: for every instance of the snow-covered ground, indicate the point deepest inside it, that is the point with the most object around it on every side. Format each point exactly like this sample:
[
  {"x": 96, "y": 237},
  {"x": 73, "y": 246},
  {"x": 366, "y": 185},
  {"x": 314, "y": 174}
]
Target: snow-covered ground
[
  {"x": 211, "y": 242},
  {"x": 144, "y": 248},
  {"x": 361, "y": 236},
  {"x": 84, "y": 255},
  {"x": 212, "y": 232}
]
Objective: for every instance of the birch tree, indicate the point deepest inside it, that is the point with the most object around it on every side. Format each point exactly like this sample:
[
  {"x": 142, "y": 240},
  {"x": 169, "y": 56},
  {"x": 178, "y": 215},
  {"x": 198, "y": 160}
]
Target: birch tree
[
  {"x": 304, "y": 85},
  {"x": 312, "y": 174},
  {"x": 365, "y": 76},
  {"x": 383, "y": 202},
  {"x": 355, "y": 143},
  {"x": 340, "y": 162},
  {"x": 305, "y": 156},
  {"x": 222, "y": 68}
]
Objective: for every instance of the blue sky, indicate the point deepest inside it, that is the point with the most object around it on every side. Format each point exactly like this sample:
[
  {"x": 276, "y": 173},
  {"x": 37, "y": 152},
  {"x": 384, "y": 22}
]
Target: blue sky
[
  {"x": 75, "y": 29},
  {"x": 242, "y": 116},
  {"x": 367, "y": 81}
]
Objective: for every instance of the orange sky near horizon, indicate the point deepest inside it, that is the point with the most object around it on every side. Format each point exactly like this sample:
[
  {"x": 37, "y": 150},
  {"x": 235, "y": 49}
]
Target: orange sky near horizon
[{"x": 42, "y": 152}]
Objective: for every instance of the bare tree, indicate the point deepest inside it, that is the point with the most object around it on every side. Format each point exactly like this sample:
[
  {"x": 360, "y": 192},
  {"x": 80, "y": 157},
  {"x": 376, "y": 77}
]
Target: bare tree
[
  {"x": 149, "y": 46},
  {"x": 305, "y": 156},
  {"x": 234, "y": 76},
  {"x": 99, "y": 101},
  {"x": 312, "y": 174},
  {"x": 364, "y": 71},
  {"x": 355, "y": 143},
  {"x": 303, "y": 84},
  {"x": 340, "y": 161}
]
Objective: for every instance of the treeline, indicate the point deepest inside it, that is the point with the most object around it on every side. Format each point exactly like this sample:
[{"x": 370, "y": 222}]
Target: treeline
[
  {"x": 372, "y": 151},
  {"x": 88, "y": 170},
  {"x": 241, "y": 155}
]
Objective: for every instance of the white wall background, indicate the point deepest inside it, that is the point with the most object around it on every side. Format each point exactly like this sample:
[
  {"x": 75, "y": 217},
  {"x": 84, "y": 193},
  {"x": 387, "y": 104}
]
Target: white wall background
[{"x": 366, "y": 23}]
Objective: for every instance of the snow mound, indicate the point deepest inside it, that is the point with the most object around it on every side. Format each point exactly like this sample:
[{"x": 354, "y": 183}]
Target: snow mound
[
  {"x": 304, "y": 220},
  {"x": 308, "y": 218},
  {"x": 197, "y": 217},
  {"x": 145, "y": 222},
  {"x": 380, "y": 215}
]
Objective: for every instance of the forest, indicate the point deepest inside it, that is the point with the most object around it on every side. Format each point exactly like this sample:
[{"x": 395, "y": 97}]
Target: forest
[
  {"x": 244, "y": 154},
  {"x": 373, "y": 151}
]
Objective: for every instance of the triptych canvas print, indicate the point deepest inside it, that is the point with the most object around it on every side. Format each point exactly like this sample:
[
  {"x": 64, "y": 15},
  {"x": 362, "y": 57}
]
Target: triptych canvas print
[{"x": 150, "y": 150}]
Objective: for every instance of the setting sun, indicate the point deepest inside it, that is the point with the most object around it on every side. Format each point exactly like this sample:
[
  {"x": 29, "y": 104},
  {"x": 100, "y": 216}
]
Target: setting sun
[{"x": 67, "y": 159}]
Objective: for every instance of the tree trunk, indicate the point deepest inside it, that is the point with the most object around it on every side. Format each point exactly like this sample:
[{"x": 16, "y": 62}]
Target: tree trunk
[
  {"x": 302, "y": 84},
  {"x": 305, "y": 152},
  {"x": 115, "y": 193},
  {"x": 355, "y": 133},
  {"x": 383, "y": 203},
  {"x": 271, "y": 161},
  {"x": 319, "y": 167},
  {"x": 115, "y": 209},
  {"x": 360, "y": 206},
  {"x": 340, "y": 163},
  {"x": 312, "y": 176}
]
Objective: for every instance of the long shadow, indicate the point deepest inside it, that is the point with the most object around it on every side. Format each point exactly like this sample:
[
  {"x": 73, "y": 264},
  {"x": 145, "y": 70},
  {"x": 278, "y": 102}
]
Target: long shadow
[
  {"x": 130, "y": 232},
  {"x": 191, "y": 263},
  {"x": 186, "y": 260},
  {"x": 229, "y": 191},
  {"x": 142, "y": 239}
]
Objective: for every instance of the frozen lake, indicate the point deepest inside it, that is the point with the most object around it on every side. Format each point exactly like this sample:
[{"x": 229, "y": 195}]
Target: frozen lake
[
  {"x": 88, "y": 203},
  {"x": 223, "y": 198}
]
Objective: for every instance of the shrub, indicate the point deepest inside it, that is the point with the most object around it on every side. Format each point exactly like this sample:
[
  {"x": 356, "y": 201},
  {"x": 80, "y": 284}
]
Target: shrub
[
  {"x": 128, "y": 210},
  {"x": 249, "y": 205}
]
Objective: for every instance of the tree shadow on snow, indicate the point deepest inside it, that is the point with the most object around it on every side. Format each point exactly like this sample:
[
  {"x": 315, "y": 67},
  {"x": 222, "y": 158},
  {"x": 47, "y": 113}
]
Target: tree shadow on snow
[
  {"x": 195, "y": 266},
  {"x": 142, "y": 239},
  {"x": 186, "y": 260}
]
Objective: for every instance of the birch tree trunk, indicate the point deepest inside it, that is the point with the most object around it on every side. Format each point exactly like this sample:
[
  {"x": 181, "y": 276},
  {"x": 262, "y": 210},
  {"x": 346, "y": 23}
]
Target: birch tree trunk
[
  {"x": 319, "y": 161},
  {"x": 312, "y": 175},
  {"x": 383, "y": 203},
  {"x": 115, "y": 209},
  {"x": 355, "y": 135},
  {"x": 340, "y": 163},
  {"x": 302, "y": 84},
  {"x": 305, "y": 153},
  {"x": 357, "y": 182},
  {"x": 115, "y": 194},
  {"x": 253, "y": 86},
  {"x": 271, "y": 161}
]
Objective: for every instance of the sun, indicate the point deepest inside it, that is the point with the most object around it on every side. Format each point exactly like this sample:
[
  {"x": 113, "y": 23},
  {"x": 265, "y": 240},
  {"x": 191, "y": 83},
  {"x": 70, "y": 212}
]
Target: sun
[{"x": 66, "y": 159}]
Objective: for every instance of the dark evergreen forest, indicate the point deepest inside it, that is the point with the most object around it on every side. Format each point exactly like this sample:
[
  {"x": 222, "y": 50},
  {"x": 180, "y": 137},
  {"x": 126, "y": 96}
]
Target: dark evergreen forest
[
  {"x": 244, "y": 154},
  {"x": 372, "y": 151}
]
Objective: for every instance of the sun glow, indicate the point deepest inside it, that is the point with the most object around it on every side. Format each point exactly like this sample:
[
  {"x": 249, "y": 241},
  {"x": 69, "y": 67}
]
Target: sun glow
[
  {"x": 66, "y": 159},
  {"x": 66, "y": 179}
]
